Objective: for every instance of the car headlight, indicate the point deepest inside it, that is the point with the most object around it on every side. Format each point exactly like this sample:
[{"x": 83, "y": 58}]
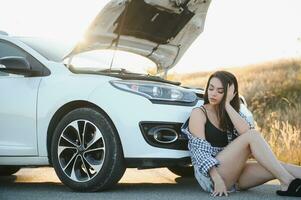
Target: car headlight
[{"x": 156, "y": 91}]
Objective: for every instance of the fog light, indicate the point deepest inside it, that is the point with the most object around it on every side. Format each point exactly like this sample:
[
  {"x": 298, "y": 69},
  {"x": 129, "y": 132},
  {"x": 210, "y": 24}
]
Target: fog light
[{"x": 164, "y": 135}]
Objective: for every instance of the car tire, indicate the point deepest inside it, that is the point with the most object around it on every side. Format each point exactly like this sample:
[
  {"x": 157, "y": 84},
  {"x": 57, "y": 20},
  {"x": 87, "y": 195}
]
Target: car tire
[
  {"x": 8, "y": 170},
  {"x": 86, "y": 151},
  {"x": 185, "y": 171}
]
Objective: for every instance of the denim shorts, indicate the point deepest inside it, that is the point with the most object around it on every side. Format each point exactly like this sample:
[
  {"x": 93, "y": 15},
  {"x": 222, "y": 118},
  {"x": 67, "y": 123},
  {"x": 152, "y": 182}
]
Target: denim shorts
[{"x": 206, "y": 182}]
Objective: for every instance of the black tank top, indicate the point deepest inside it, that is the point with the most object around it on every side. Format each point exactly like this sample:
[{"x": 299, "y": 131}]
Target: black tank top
[{"x": 213, "y": 135}]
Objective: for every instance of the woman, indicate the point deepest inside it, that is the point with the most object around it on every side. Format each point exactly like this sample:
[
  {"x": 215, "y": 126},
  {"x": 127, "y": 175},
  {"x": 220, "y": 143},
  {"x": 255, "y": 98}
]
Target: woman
[{"x": 221, "y": 140}]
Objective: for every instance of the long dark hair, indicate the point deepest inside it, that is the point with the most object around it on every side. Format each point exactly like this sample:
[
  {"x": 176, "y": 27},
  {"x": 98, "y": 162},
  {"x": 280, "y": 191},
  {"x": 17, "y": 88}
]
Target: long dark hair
[{"x": 226, "y": 78}]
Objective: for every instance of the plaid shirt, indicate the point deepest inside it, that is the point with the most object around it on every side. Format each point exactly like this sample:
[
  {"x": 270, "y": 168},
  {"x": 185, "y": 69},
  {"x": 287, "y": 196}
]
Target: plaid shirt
[{"x": 202, "y": 153}]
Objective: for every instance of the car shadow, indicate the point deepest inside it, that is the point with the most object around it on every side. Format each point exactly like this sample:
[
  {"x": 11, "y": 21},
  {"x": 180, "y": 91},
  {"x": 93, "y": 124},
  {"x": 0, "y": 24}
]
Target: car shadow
[{"x": 183, "y": 188}]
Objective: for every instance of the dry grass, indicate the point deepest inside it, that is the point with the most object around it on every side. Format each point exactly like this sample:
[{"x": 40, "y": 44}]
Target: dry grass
[{"x": 273, "y": 93}]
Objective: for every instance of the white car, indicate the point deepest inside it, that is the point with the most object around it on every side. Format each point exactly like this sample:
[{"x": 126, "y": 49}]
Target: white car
[{"x": 92, "y": 124}]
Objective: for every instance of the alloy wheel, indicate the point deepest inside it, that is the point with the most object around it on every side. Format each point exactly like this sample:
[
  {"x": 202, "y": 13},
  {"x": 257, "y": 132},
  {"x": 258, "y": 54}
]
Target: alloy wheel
[{"x": 81, "y": 150}]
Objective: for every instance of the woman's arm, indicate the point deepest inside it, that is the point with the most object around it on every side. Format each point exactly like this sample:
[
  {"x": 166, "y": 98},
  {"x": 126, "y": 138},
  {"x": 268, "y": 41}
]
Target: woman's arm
[
  {"x": 201, "y": 151},
  {"x": 239, "y": 123},
  {"x": 219, "y": 184},
  {"x": 201, "y": 157},
  {"x": 197, "y": 123}
]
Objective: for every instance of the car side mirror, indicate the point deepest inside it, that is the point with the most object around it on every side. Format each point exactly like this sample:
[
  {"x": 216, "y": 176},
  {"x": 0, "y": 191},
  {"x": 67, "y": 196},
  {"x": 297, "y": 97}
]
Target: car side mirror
[{"x": 15, "y": 65}]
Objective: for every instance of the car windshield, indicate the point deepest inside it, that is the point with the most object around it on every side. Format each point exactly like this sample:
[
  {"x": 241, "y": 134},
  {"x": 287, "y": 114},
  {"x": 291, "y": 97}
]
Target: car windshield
[
  {"x": 51, "y": 49},
  {"x": 101, "y": 60},
  {"x": 92, "y": 61}
]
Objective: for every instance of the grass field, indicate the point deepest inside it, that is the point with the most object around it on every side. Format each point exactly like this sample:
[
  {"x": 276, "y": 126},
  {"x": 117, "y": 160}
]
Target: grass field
[{"x": 273, "y": 94}]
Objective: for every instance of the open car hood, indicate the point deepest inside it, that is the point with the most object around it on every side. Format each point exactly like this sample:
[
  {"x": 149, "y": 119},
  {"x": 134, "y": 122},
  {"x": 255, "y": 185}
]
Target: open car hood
[{"x": 161, "y": 30}]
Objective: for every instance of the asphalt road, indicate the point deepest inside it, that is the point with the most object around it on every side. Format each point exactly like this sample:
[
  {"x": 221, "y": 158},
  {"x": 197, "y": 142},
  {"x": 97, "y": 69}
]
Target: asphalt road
[{"x": 159, "y": 184}]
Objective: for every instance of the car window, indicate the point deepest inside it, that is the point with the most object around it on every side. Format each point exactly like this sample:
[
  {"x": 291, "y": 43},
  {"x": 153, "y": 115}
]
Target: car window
[{"x": 8, "y": 49}]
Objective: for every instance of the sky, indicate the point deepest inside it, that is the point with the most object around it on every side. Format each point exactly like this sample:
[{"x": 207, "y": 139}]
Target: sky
[{"x": 236, "y": 32}]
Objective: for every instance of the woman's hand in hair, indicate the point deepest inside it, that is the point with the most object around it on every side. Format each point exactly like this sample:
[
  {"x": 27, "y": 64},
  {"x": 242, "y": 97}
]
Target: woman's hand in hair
[{"x": 230, "y": 93}]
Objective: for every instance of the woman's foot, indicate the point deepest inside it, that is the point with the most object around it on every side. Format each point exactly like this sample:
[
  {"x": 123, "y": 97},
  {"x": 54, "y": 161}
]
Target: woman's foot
[
  {"x": 283, "y": 187},
  {"x": 294, "y": 189}
]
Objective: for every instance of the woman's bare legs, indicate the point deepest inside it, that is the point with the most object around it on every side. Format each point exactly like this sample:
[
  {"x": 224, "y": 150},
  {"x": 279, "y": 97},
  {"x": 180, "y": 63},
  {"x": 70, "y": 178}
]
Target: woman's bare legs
[
  {"x": 233, "y": 158},
  {"x": 255, "y": 174},
  {"x": 294, "y": 170}
]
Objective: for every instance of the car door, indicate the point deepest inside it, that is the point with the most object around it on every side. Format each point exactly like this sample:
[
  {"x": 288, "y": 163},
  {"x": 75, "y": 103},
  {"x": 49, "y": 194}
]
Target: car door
[{"x": 18, "y": 100}]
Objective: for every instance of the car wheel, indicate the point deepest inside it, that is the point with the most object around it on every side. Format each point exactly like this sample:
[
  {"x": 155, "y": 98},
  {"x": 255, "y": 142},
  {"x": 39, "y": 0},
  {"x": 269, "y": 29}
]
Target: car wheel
[
  {"x": 185, "y": 171},
  {"x": 86, "y": 151},
  {"x": 8, "y": 170}
]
